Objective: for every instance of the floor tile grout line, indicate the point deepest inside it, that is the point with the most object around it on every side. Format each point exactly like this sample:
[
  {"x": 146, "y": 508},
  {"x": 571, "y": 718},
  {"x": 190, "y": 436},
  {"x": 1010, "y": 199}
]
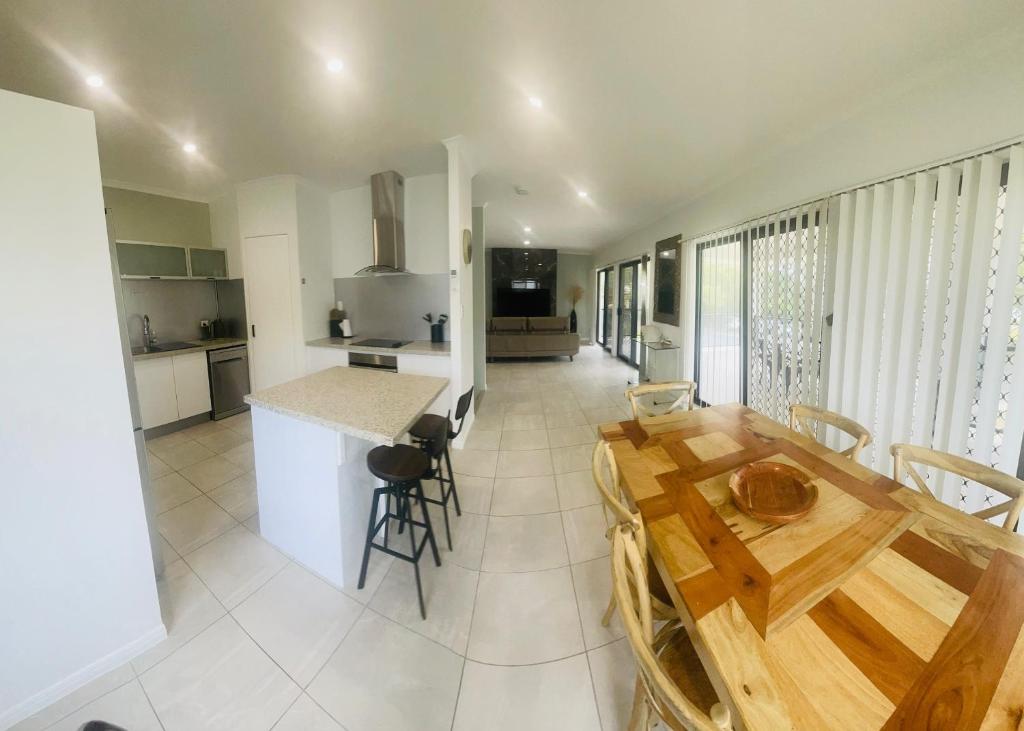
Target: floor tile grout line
[
  {"x": 87, "y": 703},
  {"x": 150, "y": 702}
]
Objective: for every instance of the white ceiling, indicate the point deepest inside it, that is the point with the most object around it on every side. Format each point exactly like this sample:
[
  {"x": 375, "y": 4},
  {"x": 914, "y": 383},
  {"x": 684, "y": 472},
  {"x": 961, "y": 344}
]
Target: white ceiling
[{"x": 646, "y": 104}]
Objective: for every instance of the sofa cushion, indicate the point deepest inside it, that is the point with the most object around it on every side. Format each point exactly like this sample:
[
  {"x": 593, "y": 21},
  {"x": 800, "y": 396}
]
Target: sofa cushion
[
  {"x": 508, "y": 324},
  {"x": 553, "y": 343},
  {"x": 549, "y": 324}
]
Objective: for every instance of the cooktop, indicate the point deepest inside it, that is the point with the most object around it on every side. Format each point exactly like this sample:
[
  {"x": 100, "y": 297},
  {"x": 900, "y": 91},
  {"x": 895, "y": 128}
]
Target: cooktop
[{"x": 381, "y": 343}]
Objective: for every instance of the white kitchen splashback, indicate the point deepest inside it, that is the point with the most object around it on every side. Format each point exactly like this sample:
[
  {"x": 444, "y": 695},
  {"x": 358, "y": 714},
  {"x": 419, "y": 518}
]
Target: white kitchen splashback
[{"x": 393, "y": 306}]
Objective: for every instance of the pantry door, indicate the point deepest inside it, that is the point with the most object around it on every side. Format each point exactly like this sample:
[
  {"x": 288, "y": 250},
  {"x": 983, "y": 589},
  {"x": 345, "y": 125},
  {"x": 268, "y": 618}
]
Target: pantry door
[{"x": 268, "y": 278}]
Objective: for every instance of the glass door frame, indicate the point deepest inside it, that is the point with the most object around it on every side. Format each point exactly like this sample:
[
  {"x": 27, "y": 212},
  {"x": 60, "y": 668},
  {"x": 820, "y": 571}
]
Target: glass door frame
[
  {"x": 633, "y": 356},
  {"x": 604, "y": 306},
  {"x": 744, "y": 239}
]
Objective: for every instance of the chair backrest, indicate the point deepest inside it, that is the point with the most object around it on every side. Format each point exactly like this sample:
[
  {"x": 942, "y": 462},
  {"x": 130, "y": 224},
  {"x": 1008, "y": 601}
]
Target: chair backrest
[
  {"x": 609, "y": 487},
  {"x": 683, "y": 402},
  {"x": 801, "y": 416},
  {"x": 633, "y": 598},
  {"x": 461, "y": 409},
  {"x": 904, "y": 455}
]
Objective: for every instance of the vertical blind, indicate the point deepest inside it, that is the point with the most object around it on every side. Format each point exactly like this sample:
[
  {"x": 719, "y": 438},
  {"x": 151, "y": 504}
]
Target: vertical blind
[
  {"x": 720, "y": 318},
  {"x": 898, "y": 305}
]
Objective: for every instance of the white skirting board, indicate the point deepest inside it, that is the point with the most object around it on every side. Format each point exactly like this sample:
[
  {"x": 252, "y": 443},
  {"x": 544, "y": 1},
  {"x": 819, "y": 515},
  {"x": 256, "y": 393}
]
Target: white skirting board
[{"x": 79, "y": 678}]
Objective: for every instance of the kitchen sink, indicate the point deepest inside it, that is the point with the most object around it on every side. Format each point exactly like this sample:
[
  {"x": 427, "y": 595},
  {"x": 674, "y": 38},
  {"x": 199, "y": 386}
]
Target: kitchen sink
[{"x": 162, "y": 348}]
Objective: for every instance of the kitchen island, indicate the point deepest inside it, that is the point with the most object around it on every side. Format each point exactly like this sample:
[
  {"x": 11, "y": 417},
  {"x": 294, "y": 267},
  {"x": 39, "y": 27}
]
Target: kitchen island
[{"x": 311, "y": 437}]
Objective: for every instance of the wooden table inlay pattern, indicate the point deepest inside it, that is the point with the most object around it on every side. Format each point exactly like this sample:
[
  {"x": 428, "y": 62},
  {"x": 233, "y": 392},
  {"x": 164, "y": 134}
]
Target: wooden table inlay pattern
[{"x": 879, "y": 609}]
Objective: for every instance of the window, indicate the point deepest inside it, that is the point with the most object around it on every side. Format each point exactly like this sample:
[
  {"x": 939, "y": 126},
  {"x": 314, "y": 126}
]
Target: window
[{"x": 719, "y": 352}]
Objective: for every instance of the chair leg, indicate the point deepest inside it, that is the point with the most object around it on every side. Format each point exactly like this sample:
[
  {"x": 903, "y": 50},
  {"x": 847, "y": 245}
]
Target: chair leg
[
  {"x": 387, "y": 518},
  {"x": 444, "y": 503},
  {"x": 426, "y": 521},
  {"x": 415, "y": 556},
  {"x": 609, "y": 611},
  {"x": 640, "y": 716},
  {"x": 451, "y": 480},
  {"x": 369, "y": 535}
]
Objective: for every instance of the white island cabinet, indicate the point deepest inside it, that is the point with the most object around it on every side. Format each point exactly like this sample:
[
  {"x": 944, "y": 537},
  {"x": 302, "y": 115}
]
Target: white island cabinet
[{"x": 311, "y": 437}]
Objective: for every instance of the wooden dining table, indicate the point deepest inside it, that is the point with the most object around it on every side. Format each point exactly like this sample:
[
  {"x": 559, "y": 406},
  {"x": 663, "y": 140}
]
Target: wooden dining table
[{"x": 881, "y": 608}]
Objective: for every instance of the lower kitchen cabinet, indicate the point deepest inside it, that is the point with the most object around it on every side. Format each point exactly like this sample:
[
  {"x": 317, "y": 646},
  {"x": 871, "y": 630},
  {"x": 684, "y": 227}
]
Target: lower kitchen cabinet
[
  {"x": 172, "y": 388},
  {"x": 157, "y": 399},
  {"x": 191, "y": 384}
]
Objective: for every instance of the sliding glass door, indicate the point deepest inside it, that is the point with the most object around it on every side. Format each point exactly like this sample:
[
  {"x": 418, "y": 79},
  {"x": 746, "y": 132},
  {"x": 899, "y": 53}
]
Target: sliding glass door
[
  {"x": 629, "y": 306},
  {"x": 605, "y": 303},
  {"x": 720, "y": 352}
]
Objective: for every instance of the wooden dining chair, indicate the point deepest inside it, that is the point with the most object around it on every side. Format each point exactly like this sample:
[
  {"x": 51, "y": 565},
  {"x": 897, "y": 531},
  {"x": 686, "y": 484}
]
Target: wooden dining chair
[
  {"x": 616, "y": 513},
  {"x": 672, "y": 685},
  {"x": 801, "y": 416},
  {"x": 905, "y": 455},
  {"x": 683, "y": 403}
]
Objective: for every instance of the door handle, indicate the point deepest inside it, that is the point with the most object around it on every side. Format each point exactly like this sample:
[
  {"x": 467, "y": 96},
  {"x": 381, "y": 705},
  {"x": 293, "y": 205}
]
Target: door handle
[{"x": 253, "y": 330}]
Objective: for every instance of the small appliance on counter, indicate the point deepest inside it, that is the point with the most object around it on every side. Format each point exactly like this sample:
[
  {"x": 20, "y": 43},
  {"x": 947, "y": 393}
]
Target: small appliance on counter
[
  {"x": 340, "y": 327},
  {"x": 210, "y": 329}
]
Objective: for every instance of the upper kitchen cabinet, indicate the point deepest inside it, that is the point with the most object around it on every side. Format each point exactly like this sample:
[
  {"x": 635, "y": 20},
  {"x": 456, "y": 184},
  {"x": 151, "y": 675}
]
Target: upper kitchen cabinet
[
  {"x": 140, "y": 259},
  {"x": 208, "y": 263}
]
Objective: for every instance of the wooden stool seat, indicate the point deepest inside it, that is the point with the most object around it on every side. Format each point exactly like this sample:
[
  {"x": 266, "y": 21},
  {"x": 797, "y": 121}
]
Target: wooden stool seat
[
  {"x": 400, "y": 463},
  {"x": 428, "y": 425},
  {"x": 678, "y": 658}
]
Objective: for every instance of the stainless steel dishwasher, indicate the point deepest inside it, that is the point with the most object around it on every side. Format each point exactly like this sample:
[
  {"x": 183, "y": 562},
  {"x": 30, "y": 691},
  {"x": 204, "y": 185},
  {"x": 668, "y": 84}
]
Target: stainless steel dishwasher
[{"x": 229, "y": 380}]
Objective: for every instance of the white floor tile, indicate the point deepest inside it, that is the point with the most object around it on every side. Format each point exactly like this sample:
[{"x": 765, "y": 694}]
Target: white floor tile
[
  {"x": 530, "y": 463},
  {"x": 179, "y": 453},
  {"x": 376, "y": 570},
  {"x": 172, "y": 490},
  {"x": 385, "y": 676},
  {"x": 126, "y": 707},
  {"x": 167, "y": 551},
  {"x": 77, "y": 699},
  {"x": 605, "y": 415},
  {"x": 519, "y": 422},
  {"x": 203, "y": 429},
  {"x": 474, "y": 462},
  {"x": 468, "y": 532},
  {"x": 306, "y": 715},
  {"x": 449, "y": 592},
  {"x": 564, "y": 419},
  {"x": 585, "y": 530},
  {"x": 479, "y": 439},
  {"x": 211, "y": 473},
  {"x": 556, "y": 696},
  {"x": 157, "y": 467},
  {"x": 235, "y": 564},
  {"x": 525, "y": 618},
  {"x": 593, "y": 583},
  {"x": 525, "y": 543},
  {"x": 237, "y": 496},
  {"x": 243, "y": 455},
  {"x": 220, "y": 680},
  {"x": 189, "y": 526},
  {"x": 572, "y": 459},
  {"x": 222, "y": 440},
  {"x": 571, "y": 436},
  {"x": 524, "y": 440},
  {"x": 298, "y": 620},
  {"x": 474, "y": 493},
  {"x": 532, "y": 406},
  {"x": 576, "y": 489},
  {"x": 524, "y": 495},
  {"x": 614, "y": 674},
  {"x": 187, "y": 608}
]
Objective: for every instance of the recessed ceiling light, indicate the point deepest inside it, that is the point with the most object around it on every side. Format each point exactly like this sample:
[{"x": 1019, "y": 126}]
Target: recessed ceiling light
[
  {"x": 94, "y": 80},
  {"x": 527, "y": 229},
  {"x": 335, "y": 65},
  {"x": 582, "y": 193},
  {"x": 526, "y": 242},
  {"x": 190, "y": 148},
  {"x": 536, "y": 102}
]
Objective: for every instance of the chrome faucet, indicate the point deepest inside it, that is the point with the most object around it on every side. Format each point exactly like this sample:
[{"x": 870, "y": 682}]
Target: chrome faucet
[{"x": 148, "y": 336}]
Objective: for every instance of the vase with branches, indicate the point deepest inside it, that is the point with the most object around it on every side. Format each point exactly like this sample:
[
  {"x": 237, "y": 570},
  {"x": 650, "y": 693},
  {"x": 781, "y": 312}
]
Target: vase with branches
[{"x": 575, "y": 295}]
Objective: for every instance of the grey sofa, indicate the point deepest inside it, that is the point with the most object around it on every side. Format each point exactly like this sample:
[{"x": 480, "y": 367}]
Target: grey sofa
[{"x": 525, "y": 337}]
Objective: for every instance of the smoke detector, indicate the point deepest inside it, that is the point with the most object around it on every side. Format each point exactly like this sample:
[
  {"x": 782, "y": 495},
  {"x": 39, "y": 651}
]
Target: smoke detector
[{"x": 520, "y": 190}]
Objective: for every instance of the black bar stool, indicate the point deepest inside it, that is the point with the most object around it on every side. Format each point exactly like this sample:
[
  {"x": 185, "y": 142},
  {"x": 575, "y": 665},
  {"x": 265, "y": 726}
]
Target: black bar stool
[
  {"x": 423, "y": 431},
  {"x": 402, "y": 467},
  {"x": 436, "y": 447}
]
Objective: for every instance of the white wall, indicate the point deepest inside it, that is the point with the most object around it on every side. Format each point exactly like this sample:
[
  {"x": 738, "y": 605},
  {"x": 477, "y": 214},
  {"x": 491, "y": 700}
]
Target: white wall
[
  {"x": 576, "y": 269},
  {"x": 224, "y": 230},
  {"x": 426, "y": 227},
  {"x": 315, "y": 260},
  {"x": 77, "y": 591},
  {"x": 460, "y": 218},
  {"x": 972, "y": 99}
]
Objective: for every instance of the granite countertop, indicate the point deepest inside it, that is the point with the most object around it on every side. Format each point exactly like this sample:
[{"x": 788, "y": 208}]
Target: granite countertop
[
  {"x": 416, "y": 347},
  {"x": 373, "y": 405},
  {"x": 200, "y": 346}
]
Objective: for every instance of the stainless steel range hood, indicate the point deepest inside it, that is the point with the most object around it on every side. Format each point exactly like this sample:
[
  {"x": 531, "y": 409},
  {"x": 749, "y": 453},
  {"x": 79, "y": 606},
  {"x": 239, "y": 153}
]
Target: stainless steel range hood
[{"x": 387, "y": 196}]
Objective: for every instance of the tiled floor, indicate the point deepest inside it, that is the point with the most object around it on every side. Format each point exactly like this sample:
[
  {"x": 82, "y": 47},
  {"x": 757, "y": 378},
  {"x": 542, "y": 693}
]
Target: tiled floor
[{"x": 512, "y": 638}]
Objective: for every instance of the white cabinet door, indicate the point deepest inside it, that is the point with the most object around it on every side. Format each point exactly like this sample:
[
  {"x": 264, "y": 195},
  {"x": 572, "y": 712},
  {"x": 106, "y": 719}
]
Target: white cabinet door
[
  {"x": 318, "y": 359},
  {"x": 191, "y": 384},
  {"x": 268, "y": 297},
  {"x": 154, "y": 379},
  {"x": 430, "y": 365}
]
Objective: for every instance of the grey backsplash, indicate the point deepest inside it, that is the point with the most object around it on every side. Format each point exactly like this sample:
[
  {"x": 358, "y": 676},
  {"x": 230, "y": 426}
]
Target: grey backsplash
[
  {"x": 393, "y": 306},
  {"x": 175, "y": 307}
]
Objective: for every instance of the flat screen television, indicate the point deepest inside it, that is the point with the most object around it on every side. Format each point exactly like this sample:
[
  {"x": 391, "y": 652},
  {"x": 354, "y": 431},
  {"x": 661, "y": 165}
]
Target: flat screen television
[{"x": 510, "y": 302}]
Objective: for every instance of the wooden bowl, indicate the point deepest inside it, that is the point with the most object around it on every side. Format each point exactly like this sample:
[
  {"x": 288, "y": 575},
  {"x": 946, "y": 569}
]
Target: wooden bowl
[{"x": 773, "y": 492}]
